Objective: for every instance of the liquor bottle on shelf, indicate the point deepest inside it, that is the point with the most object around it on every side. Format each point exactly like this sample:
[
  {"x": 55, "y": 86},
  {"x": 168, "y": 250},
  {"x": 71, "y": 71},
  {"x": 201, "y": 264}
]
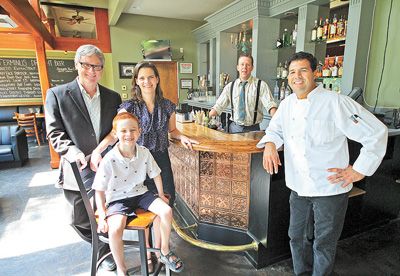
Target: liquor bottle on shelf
[
  {"x": 333, "y": 27},
  {"x": 314, "y": 31},
  {"x": 287, "y": 91},
  {"x": 340, "y": 27},
  {"x": 282, "y": 91},
  {"x": 325, "y": 33},
  {"x": 326, "y": 72},
  {"x": 285, "y": 38},
  {"x": 334, "y": 68},
  {"x": 294, "y": 35},
  {"x": 285, "y": 71},
  {"x": 345, "y": 28},
  {"x": 318, "y": 73},
  {"x": 279, "y": 71},
  {"x": 276, "y": 91},
  {"x": 320, "y": 29},
  {"x": 340, "y": 69}
]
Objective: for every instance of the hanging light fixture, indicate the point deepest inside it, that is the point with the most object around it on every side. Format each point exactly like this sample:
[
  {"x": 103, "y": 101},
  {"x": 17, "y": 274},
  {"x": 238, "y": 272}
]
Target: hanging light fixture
[{"x": 241, "y": 40}]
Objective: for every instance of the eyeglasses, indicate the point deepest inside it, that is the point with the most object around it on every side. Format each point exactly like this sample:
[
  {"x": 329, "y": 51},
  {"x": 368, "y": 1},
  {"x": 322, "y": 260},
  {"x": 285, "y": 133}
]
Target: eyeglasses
[{"x": 87, "y": 66}]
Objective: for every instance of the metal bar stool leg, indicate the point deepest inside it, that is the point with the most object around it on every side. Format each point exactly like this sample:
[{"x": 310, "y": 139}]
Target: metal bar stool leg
[
  {"x": 95, "y": 249},
  {"x": 143, "y": 252}
]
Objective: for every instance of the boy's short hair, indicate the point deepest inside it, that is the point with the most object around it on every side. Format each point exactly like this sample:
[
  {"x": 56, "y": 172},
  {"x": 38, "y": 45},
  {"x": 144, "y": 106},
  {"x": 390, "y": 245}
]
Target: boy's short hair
[{"x": 124, "y": 116}]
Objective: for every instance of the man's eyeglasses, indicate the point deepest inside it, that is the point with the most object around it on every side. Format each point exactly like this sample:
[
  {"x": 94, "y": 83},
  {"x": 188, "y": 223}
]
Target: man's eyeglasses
[{"x": 87, "y": 66}]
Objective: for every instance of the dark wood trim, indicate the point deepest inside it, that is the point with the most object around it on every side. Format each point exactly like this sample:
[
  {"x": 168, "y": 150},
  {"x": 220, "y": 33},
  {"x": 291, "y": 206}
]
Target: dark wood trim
[
  {"x": 27, "y": 17},
  {"x": 45, "y": 85},
  {"x": 21, "y": 40}
]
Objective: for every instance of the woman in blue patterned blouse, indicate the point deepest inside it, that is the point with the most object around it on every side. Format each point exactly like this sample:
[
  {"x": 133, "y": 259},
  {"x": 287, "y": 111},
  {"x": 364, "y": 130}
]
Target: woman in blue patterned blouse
[{"x": 157, "y": 120}]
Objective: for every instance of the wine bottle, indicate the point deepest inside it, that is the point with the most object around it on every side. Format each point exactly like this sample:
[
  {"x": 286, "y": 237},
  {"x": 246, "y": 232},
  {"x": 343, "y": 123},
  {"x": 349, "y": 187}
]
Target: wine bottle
[
  {"x": 282, "y": 92},
  {"x": 294, "y": 35},
  {"x": 279, "y": 71},
  {"x": 333, "y": 27},
  {"x": 334, "y": 68},
  {"x": 320, "y": 30},
  {"x": 285, "y": 71},
  {"x": 326, "y": 72},
  {"x": 314, "y": 32},
  {"x": 287, "y": 91},
  {"x": 340, "y": 27},
  {"x": 276, "y": 91},
  {"x": 340, "y": 69},
  {"x": 325, "y": 33},
  {"x": 285, "y": 38}
]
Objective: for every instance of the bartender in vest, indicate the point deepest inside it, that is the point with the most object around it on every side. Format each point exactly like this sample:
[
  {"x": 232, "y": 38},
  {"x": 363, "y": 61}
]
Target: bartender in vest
[{"x": 247, "y": 96}]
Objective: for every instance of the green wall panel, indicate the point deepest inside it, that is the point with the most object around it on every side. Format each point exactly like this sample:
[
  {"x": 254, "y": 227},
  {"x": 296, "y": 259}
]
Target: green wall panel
[
  {"x": 130, "y": 30},
  {"x": 389, "y": 92}
]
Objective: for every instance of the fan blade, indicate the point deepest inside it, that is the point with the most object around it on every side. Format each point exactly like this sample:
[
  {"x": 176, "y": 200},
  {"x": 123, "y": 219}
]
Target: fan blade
[
  {"x": 65, "y": 18},
  {"x": 82, "y": 20}
]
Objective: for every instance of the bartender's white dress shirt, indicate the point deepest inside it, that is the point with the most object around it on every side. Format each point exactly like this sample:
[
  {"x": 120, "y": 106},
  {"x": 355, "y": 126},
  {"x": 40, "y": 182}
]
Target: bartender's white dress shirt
[
  {"x": 122, "y": 177},
  {"x": 314, "y": 131},
  {"x": 265, "y": 100}
]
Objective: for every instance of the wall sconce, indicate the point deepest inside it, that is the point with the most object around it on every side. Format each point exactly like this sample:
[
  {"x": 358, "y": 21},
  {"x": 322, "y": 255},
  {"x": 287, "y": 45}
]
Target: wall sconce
[
  {"x": 241, "y": 41},
  {"x": 181, "y": 51}
]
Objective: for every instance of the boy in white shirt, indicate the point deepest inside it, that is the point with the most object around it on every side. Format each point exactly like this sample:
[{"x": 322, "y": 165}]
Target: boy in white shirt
[{"x": 120, "y": 190}]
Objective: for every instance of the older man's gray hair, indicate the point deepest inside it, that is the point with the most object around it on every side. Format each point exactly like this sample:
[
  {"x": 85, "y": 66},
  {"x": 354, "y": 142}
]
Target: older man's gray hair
[{"x": 88, "y": 50}]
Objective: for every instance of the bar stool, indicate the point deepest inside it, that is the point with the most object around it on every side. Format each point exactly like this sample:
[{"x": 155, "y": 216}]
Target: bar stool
[{"x": 143, "y": 221}]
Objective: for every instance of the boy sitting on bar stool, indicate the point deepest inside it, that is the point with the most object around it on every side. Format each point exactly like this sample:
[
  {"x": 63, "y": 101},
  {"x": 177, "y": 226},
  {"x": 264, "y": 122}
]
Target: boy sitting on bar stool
[{"x": 120, "y": 190}]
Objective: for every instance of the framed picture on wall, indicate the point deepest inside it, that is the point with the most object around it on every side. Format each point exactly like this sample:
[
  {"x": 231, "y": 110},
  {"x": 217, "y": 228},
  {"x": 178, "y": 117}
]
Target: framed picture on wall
[
  {"x": 126, "y": 69},
  {"x": 185, "y": 68},
  {"x": 186, "y": 83}
]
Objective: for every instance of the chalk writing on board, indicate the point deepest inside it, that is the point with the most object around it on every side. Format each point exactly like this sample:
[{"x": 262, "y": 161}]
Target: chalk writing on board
[{"x": 19, "y": 77}]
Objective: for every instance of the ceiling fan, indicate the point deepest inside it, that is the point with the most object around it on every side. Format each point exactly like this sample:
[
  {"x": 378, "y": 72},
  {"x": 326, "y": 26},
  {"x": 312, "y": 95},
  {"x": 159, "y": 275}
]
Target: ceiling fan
[{"x": 74, "y": 19}]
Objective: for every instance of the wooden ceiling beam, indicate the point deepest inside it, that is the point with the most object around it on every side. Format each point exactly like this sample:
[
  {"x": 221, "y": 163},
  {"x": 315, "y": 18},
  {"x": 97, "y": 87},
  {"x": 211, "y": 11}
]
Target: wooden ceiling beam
[
  {"x": 18, "y": 30},
  {"x": 25, "y": 15}
]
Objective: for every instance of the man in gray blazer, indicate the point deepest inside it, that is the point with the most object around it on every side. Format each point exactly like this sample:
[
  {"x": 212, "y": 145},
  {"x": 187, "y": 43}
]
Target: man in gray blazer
[{"x": 79, "y": 114}]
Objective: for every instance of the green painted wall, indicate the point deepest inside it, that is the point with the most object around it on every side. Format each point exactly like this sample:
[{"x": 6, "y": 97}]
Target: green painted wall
[
  {"x": 130, "y": 30},
  {"x": 389, "y": 95}
]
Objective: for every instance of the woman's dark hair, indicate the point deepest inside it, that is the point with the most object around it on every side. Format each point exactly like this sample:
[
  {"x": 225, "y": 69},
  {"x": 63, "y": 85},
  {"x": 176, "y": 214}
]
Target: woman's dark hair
[
  {"x": 136, "y": 92},
  {"x": 304, "y": 55}
]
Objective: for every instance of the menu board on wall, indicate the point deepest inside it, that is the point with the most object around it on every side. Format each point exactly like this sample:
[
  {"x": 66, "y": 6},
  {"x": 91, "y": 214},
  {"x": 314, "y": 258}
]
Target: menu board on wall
[{"x": 19, "y": 78}]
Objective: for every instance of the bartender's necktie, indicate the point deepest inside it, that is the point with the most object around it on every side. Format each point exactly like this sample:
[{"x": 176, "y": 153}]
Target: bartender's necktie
[{"x": 242, "y": 101}]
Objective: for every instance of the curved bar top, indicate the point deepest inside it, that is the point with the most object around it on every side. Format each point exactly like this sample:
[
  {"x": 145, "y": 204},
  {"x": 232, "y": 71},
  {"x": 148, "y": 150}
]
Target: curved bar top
[{"x": 216, "y": 141}]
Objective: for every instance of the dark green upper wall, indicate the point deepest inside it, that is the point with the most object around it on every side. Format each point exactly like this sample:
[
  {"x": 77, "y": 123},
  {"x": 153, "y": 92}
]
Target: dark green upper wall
[{"x": 132, "y": 29}]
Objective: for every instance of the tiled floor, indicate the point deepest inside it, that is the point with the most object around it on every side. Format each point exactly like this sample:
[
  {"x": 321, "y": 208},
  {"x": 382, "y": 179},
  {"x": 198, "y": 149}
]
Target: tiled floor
[{"x": 34, "y": 239}]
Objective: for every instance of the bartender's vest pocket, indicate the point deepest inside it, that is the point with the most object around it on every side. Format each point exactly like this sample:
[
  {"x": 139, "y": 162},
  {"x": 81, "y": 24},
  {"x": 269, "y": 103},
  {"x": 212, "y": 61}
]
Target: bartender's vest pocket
[{"x": 322, "y": 132}]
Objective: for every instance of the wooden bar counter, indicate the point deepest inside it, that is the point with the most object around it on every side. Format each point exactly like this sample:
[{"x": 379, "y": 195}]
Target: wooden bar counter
[{"x": 223, "y": 189}]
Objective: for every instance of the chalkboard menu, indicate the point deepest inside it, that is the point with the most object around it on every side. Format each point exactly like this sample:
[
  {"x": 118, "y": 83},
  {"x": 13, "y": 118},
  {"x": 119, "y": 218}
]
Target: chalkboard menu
[{"x": 19, "y": 77}]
